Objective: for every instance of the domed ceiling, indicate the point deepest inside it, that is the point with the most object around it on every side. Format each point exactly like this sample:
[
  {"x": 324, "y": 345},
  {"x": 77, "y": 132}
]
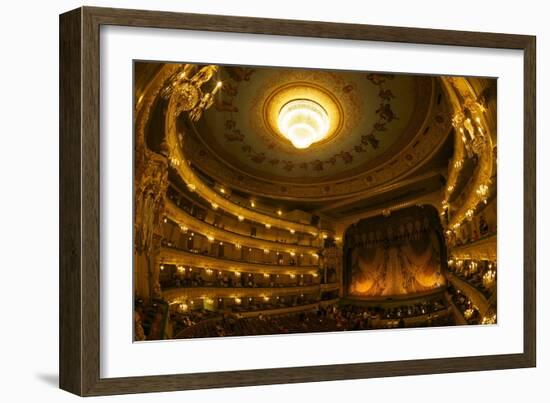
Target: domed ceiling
[{"x": 374, "y": 121}]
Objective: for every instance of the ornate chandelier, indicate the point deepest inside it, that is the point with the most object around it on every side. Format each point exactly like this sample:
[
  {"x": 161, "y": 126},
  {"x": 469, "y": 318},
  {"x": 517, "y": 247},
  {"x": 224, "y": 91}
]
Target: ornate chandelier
[{"x": 303, "y": 122}]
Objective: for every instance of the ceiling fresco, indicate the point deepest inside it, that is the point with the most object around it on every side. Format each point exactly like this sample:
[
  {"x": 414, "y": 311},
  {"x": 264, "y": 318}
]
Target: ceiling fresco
[{"x": 373, "y": 116}]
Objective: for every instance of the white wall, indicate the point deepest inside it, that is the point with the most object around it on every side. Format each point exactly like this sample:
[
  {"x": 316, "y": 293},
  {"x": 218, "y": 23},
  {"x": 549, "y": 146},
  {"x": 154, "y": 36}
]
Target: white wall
[{"x": 29, "y": 197}]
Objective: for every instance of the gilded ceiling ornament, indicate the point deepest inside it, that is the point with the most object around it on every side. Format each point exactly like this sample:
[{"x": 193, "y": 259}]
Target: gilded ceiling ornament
[
  {"x": 474, "y": 105},
  {"x": 419, "y": 146},
  {"x": 384, "y": 172},
  {"x": 185, "y": 89},
  {"x": 458, "y": 119},
  {"x": 384, "y": 111}
]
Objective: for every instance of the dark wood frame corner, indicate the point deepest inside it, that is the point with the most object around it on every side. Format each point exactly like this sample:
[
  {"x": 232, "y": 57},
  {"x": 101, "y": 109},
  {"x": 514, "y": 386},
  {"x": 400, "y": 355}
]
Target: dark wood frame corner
[{"x": 79, "y": 201}]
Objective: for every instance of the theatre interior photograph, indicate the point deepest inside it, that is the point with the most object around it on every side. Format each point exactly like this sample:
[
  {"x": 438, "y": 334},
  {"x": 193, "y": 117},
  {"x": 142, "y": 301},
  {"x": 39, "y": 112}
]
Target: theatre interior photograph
[{"x": 281, "y": 200}]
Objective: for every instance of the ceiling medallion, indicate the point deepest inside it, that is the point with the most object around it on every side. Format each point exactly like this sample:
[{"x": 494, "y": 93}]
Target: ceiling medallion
[
  {"x": 302, "y": 114},
  {"x": 303, "y": 122}
]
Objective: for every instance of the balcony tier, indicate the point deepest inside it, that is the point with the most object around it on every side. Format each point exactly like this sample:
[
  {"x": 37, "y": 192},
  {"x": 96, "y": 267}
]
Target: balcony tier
[
  {"x": 482, "y": 249},
  {"x": 184, "y": 258},
  {"x": 476, "y": 296},
  {"x": 183, "y": 218},
  {"x": 180, "y": 294}
]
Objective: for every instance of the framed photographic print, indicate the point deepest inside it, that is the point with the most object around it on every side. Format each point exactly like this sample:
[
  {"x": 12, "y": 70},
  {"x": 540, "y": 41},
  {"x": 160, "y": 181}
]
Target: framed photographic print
[{"x": 249, "y": 201}]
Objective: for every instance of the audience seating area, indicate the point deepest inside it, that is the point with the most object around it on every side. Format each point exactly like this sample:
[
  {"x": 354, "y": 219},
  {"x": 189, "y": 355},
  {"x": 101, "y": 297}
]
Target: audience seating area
[{"x": 319, "y": 319}]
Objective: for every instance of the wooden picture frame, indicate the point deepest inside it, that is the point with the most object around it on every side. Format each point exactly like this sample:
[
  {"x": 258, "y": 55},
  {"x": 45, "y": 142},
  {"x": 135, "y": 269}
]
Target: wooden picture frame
[{"x": 79, "y": 346}]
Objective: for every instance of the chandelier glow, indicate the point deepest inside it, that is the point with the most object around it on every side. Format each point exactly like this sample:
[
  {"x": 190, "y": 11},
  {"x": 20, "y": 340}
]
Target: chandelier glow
[{"x": 303, "y": 122}]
